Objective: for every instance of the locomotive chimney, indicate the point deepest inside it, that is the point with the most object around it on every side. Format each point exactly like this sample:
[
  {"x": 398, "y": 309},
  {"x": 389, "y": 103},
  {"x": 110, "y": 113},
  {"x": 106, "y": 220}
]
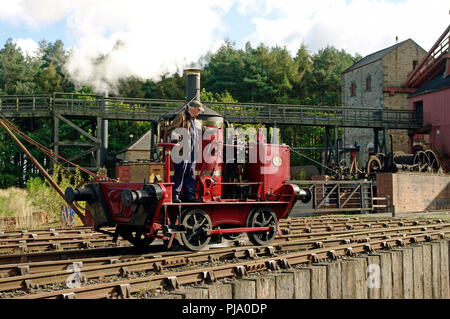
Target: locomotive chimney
[{"x": 192, "y": 84}]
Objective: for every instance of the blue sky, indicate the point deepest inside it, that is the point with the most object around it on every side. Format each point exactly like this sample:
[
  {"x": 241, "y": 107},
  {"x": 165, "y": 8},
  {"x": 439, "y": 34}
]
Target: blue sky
[
  {"x": 239, "y": 24},
  {"x": 160, "y": 37}
]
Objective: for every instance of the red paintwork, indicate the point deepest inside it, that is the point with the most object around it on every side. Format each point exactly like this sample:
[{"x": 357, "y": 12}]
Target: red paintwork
[
  {"x": 267, "y": 179},
  {"x": 238, "y": 230},
  {"x": 436, "y": 115}
]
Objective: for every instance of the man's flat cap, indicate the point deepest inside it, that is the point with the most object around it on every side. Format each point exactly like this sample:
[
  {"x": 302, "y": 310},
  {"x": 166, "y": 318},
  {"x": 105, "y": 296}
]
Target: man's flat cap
[{"x": 196, "y": 104}]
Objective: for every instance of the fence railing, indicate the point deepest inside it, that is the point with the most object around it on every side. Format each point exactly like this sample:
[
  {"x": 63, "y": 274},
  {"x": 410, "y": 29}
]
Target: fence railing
[
  {"x": 337, "y": 196},
  {"x": 72, "y": 104}
]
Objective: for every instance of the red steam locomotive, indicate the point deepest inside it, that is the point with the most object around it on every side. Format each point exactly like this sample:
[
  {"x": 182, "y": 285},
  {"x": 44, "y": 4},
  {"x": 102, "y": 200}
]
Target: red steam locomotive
[{"x": 235, "y": 196}]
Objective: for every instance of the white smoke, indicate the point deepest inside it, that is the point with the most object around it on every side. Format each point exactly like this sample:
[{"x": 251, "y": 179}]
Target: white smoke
[
  {"x": 116, "y": 38},
  {"x": 148, "y": 39}
]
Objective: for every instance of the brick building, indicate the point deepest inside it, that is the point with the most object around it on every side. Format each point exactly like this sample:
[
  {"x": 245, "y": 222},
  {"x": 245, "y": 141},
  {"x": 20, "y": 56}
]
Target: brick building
[{"x": 376, "y": 82}]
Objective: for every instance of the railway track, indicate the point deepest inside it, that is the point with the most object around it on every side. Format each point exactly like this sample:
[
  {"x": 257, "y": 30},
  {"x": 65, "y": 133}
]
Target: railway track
[
  {"x": 172, "y": 280},
  {"x": 128, "y": 255},
  {"x": 15, "y": 242},
  {"x": 170, "y": 269}
]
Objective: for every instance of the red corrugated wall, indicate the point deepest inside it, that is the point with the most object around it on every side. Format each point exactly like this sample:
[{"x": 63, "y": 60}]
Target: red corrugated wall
[{"x": 436, "y": 112}]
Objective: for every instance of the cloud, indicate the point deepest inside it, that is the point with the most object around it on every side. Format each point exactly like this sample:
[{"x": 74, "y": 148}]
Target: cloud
[
  {"x": 149, "y": 39},
  {"x": 139, "y": 38},
  {"x": 28, "y": 46},
  {"x": 362, "y": 26}
]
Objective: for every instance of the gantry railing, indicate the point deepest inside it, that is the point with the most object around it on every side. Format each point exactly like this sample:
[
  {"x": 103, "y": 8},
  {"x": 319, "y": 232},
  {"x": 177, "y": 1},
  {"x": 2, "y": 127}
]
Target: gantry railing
[{"x": 87, "y": 105}]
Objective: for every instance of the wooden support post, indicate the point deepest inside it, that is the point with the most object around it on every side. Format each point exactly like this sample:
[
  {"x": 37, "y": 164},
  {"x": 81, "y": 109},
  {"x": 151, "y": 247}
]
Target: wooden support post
[{"x": 56, "y": 134}]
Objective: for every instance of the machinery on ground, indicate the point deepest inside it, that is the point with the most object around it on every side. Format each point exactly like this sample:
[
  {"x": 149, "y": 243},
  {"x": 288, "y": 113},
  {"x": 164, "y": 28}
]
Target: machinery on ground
[{"x": 419, "y": 161}]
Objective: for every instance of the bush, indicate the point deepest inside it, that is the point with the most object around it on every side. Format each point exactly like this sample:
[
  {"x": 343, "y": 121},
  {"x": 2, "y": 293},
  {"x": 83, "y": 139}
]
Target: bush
[{"x": 45, "y": 197}]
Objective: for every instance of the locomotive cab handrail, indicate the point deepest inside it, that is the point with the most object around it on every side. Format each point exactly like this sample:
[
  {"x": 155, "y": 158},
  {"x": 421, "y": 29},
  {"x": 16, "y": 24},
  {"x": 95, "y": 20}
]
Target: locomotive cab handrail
[{"x": 167, "y": 145}]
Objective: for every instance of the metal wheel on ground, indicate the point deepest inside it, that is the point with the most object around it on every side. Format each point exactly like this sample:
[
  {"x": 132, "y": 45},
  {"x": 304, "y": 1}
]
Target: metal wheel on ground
[
  {"x": 373, "y": 165},
  {"x": 262, "y": 217},
  {"x": 197, "y": 224},
  {"x": 136, "y": 237},
  {"x": 422, "y": 160},
  {"x": 433, "y": 165}
]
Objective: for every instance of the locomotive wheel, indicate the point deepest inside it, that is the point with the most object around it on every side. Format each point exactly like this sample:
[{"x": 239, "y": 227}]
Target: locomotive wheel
[
  {"x": 197, "y": 223},
  {"x": 137, "y": 238},
  {"x": 262, "y": 217},
  {"x": 433, "y": 163}
]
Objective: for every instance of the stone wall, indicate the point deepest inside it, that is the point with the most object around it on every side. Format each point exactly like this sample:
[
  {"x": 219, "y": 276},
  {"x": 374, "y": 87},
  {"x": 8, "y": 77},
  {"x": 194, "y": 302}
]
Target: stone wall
[
  {"x": 397, "y": 65},
  {"x": 362, "y": 99},
  {"x": 390, "y": 71}
]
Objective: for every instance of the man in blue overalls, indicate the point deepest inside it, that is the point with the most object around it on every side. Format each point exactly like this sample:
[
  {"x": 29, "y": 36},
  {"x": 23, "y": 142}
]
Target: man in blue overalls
[{"x": 184, "y": 171}]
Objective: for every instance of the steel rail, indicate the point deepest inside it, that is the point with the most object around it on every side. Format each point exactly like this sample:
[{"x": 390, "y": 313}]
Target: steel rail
[
  {"x": 15, "y": 269},
  {"x": 35, "y": 236},
  {"x": 351, "y": 225},
  {"x": 63, "y": 242},
  {"x": 18, "y": 269},
  {"x": 35, "y": 233},
  {"x": 9, "y": 233},
  {"x": 52, "y": 239},
  {"x": 110, "y": 251},
  {"x": 65, "y": 254},
  {"x": 162, "y": 263},
  {"x": 171, "y": 280},
  {"x": 369, "y": 231},
  {"x": 59, "y": 245}
]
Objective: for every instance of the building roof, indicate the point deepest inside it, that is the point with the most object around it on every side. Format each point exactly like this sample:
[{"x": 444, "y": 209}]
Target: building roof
[
  {"x": 143, "y": 143},
  {"x": 437, "y": 83},
  {"x": 375, "y": 56}
]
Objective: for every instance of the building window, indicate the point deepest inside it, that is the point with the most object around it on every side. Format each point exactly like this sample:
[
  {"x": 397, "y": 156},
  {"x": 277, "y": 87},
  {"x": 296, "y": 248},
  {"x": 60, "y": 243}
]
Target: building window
[
  {"x": 414, "y": 64},
  {"x": 369, "y": 83},
  {"x": 353, "y": 89}
]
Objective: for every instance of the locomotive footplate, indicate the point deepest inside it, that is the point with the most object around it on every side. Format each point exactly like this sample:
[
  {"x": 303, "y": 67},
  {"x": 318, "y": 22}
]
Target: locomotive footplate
[
  {"x": 239, "y": 230},
  {"x": 174, "y": 229}
]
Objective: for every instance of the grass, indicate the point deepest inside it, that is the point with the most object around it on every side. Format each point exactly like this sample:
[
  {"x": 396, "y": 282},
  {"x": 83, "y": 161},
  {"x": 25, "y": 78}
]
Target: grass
[
  {"x": 14, "y": 202},
  {"x": 38, "y": 196}
]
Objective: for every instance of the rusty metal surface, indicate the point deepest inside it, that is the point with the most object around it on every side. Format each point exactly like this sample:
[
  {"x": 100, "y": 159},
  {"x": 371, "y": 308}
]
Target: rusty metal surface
[
  {"x": 289, "y": 251},
  {"x": 175, "y": 279}
]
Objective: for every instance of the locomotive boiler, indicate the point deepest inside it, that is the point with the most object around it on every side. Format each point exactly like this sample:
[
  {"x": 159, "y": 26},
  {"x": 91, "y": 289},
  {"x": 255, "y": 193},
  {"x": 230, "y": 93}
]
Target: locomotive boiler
[{"x": 241, "y": 187}]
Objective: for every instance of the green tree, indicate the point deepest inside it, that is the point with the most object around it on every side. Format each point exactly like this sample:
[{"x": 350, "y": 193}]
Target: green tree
[
  {"x": 16, "y": 76},
  {"x": 303, "y": 81},
  {"x": 328, "y": 65},
  {"x": 55, "y": 54},
  {"x": 169, "y": 87},
  {"x": 131, "y": 87},
  {"x": 225, "y": 71},
  {"x": 256, "y": 86},
  {"x": 48, "y": 80}
]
